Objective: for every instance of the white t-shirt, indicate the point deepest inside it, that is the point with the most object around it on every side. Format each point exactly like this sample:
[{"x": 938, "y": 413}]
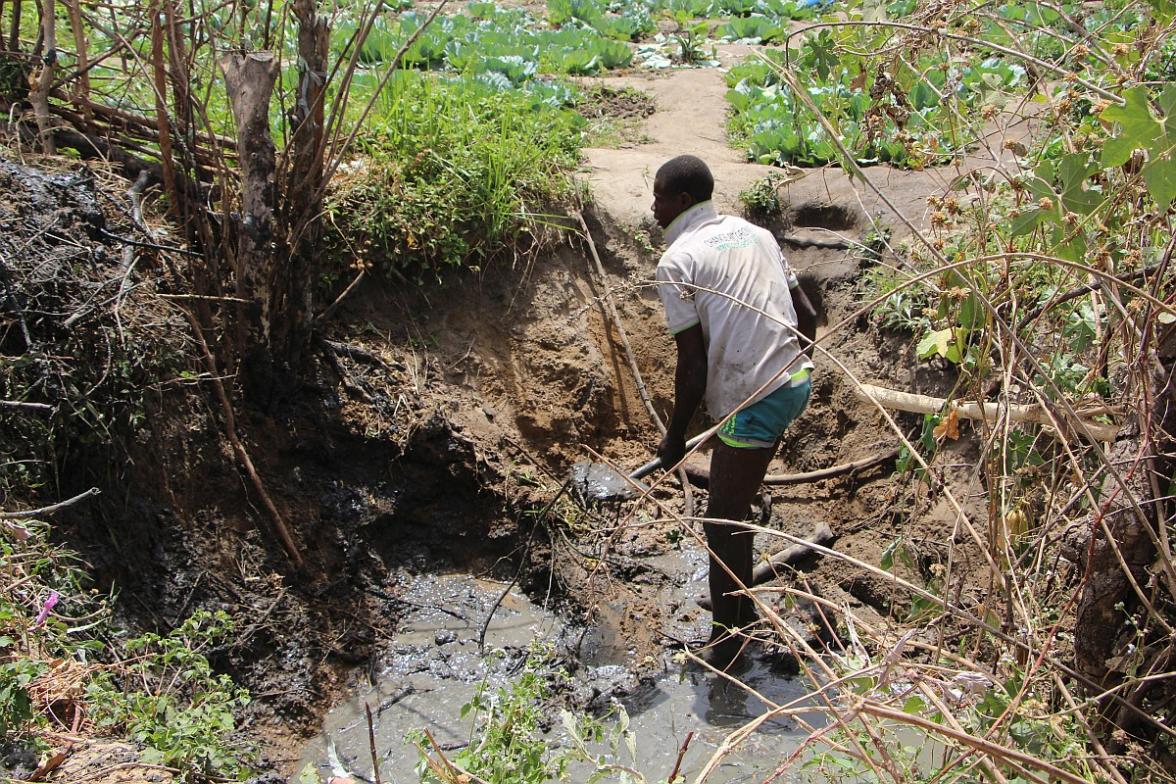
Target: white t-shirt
[{"x": 731, "y": 277}]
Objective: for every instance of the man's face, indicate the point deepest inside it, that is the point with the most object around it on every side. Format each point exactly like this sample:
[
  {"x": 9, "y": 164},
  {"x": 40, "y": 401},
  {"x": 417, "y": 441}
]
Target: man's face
[{"x": 667, "y": 206}]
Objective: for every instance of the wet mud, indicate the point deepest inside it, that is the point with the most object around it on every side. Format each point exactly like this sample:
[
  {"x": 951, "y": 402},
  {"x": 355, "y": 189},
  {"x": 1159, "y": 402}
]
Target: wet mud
[{"x": 463, "y": 634}]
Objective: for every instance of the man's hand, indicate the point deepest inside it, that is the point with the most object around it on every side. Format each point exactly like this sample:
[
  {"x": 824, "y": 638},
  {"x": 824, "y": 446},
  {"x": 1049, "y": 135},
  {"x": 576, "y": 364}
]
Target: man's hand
[{"x": 671, "y": 449}]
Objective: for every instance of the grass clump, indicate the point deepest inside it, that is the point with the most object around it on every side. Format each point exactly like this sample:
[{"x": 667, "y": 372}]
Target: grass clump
[{"x": 454, "y": 173}]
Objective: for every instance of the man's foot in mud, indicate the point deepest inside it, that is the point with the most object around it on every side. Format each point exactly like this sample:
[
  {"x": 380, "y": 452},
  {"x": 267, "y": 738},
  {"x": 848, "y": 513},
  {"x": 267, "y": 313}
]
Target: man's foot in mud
[{"x": 726, "y": 652}]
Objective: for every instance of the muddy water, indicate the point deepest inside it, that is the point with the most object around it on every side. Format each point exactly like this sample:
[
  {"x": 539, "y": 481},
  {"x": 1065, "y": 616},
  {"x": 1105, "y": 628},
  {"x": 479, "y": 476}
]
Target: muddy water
[{"x": 436, "y": 668}]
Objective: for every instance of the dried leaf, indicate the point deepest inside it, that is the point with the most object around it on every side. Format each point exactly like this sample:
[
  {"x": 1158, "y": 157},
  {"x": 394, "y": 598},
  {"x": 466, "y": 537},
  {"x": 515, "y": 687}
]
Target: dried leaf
[
  {"x": 18, "y": 532},
  {"x": 50, "y": 765},
  {"x": 949, "y": 426},
  {"x": 859, "y": 81}
]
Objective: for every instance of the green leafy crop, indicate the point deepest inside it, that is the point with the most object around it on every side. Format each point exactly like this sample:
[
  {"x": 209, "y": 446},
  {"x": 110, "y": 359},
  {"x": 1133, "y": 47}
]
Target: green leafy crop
[{"x": 907, "y": 113}]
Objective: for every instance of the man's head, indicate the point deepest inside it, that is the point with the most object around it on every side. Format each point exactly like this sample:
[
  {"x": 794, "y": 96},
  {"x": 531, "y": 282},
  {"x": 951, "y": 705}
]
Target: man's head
[{"x": 680, "y": 183}]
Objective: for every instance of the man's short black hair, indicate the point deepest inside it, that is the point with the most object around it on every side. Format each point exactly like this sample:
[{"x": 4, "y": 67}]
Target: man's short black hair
[{"x": 687, "y": 174}]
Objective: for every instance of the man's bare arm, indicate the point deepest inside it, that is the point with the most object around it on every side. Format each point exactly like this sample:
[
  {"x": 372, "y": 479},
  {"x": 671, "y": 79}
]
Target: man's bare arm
[
  {"x": 806, "y": 318},
  {"x": 689, "y": 387}
]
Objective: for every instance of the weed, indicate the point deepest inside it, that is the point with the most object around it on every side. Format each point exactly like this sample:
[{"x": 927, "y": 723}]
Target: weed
[
  {"x": 904, "y": 307},
  {"x": 16, "y": 708},
  {"x": 158, "y": 690},
  {"x": 644, "y": 241},
  {"x": 166, "y": 697},
  {"x": 691, "y": 43},
  {"x": 874, "y": 243},
  {"x": 513, "y": 741},
  {"x": 506, "y": 746},
  {"x": 906, "y": 461},
  {"x": 761, "y": 199}
]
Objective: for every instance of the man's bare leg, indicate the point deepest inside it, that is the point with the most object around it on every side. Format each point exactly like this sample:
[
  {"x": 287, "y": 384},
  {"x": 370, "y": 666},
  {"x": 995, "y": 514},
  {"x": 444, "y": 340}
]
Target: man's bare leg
[{"x": 735, "y": 479}]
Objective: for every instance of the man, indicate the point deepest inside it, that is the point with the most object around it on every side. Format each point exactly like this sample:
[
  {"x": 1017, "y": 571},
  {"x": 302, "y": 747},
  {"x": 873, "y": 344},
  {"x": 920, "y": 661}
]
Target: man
[{"x": 735, "y": 309}]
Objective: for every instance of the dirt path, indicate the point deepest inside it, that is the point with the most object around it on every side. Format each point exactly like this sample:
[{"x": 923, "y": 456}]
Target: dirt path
[{"x": 691, "y": 118}]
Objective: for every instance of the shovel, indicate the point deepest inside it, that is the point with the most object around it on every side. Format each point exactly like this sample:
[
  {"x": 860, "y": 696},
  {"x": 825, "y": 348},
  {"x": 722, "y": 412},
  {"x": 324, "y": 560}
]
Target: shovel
[{"x": 600, "y": 482}]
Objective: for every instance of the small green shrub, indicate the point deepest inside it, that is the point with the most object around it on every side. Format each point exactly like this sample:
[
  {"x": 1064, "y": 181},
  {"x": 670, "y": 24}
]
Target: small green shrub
[
  {"x": 16, "y": 709},
  {"x": 761, "y": 199},
  {"x": 156, "y": 690},
  {"x": 506, "y": 746},
  {"x": 167, "y": 698},
  {"x": 513, "y": 740},
  {"x": 904, "y": 307}
]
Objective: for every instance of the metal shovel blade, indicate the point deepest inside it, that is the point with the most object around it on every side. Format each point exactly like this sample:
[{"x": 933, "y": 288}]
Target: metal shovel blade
[{"x": 600, "y": 483}]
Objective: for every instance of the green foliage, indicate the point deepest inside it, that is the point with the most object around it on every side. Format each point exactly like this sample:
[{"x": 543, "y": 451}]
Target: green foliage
[
  {"x": 158, "y": 690},
  {"x": 906, "y": 461},
  {"x": 41, "y": 578},
  {"x": 455, "y": 172},
  {"x": 908, "y": 116},
  {"x": 631, "y": 23},
  {"x": 949, "y": 343},
  {"x": 1008, "y": 712},
  {"x": 167, "y": 698},
  {"x": 904, "y": 307},
  {"x": 1142, "y": 128},
  {"x": 874, "y": 243},
  {"x": 16, "y": 708},
  {"x": 506, "y": 745},
  {"x": 512, "y": 740},
  {"x": 755, "y": 28},
  {"x": 691, "y": 42},
  {"x": 509, "y": 42},
  {"x": 761, "y": 199},
  {"x": 602, "y": 744},
  {"x": 14, "y": 82}
]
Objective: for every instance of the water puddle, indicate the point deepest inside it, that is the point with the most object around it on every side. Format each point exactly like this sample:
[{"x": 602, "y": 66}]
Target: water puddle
[{"x": 436, "y": 668}]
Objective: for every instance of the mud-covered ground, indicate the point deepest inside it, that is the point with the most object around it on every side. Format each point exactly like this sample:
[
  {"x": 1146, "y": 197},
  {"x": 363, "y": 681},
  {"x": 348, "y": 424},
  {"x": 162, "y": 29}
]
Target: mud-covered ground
[{"x": 439, "y": 422}]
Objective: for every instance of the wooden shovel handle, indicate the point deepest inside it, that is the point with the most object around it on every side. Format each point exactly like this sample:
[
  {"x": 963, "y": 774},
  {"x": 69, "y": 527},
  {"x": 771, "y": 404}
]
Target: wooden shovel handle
[{"x": 656, "y": 462}]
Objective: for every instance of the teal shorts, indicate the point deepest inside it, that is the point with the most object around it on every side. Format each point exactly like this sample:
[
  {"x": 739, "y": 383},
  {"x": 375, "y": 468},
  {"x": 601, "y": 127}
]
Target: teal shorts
[{"x": 759, "y": 425}]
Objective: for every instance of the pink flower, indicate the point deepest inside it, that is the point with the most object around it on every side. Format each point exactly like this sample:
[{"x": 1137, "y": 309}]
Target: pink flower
[{"x": 46, "y": 608}]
